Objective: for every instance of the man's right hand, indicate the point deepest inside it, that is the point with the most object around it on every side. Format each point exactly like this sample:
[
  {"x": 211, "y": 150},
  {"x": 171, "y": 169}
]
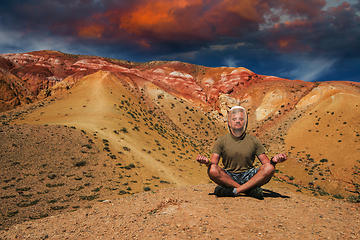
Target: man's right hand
[{"x": 202, "y": 159}]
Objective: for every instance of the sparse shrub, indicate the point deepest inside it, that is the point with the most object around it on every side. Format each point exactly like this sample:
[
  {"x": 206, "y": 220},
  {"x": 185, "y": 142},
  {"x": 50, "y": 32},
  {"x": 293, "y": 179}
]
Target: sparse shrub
[
  {"x": 55, "y": 185},
  {"x": 25, "y": 204},
  {"x": 124, "y": 130},
  {"x": 11, "y": 214},
  {"x": 122, "y": 192},
  {"x": 96, "y": 189},
  {"x": 354, "y": 199},
  {"x": 42, "y": 215},
  {"x": 89, "y": 198},
  {"x": 291, "y": 177},
  {"x": 136, "y": 128},
  {"x": 23, "y": 189},
  {"x": 78, "y": 188},
  {"x": 88, "y": 146},
  {"x": 146, "y": 189},
  {"x": 80, "y": 163},
  {"x": 57, "y": 207},
  {"x": 130, "y": 166},
  {"x": 52, "y": 176},
  {"x": 6, "y": 197},
  {"x": 338, "y": 196}
]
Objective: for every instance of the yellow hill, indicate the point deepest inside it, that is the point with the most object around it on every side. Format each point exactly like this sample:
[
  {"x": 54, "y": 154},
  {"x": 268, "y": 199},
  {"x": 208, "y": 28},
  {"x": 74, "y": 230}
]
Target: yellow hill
[
  {"x": 324, "y": 144},
  {"x": 103, "y": 108}
]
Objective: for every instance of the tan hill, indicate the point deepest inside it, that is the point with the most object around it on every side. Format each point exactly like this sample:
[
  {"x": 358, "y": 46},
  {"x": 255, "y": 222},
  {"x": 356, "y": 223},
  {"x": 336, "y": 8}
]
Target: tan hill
[{"x": 87, "y": 128}]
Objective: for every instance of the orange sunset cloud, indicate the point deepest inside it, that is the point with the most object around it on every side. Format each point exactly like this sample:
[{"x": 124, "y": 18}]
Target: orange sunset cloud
[
  {"x": 289, "y": 44},
  {"x": 293, "y": 24},
  {"x": 161, "y": 18},
  {"x": 171, "y": 20},
  {"x": 150, "y": 23},
  {"x": 93, "y": 30}
]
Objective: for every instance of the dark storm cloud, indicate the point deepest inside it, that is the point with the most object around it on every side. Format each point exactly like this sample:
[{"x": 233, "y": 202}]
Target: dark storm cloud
[{"x": 257, "y": 34}]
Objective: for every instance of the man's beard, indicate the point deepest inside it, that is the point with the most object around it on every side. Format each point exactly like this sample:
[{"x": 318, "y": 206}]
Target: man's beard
[{"x": 237, "y": 132}]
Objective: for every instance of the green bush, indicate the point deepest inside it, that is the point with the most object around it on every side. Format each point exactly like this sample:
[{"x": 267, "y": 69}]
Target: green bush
[{"x": 338, "y": 196}]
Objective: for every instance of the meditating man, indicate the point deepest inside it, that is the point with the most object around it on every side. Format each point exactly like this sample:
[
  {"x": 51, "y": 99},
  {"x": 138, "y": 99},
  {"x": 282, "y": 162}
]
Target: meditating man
[{"x": 238, "y": 150}]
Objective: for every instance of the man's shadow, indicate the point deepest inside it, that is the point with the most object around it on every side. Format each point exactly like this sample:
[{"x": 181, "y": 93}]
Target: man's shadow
[{"x": 268, "y": 193}]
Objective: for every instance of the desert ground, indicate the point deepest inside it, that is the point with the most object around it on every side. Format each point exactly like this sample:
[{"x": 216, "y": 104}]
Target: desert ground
[{"x": 191, "y": 213}]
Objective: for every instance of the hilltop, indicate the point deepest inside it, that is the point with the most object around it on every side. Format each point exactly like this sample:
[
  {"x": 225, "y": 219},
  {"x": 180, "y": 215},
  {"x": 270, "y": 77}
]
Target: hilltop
[{"x": 80, "y": 129}]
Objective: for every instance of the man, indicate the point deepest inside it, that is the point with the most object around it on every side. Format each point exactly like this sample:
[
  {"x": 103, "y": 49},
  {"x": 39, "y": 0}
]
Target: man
[{"x": 238, "y": 150}]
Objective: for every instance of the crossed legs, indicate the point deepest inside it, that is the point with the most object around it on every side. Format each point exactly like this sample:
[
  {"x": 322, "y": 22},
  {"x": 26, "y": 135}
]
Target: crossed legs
[{"x": 220, "y": 177}]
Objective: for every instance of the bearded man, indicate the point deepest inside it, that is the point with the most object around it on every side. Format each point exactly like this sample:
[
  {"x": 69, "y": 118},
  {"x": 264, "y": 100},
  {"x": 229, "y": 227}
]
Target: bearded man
[{"x": 238, "y": 149}]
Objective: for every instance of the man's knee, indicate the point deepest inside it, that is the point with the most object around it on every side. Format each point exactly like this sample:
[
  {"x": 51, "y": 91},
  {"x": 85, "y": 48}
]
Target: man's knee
[
  {"x": 214, "y": 171},
  {"x": 268, "y": 169}
]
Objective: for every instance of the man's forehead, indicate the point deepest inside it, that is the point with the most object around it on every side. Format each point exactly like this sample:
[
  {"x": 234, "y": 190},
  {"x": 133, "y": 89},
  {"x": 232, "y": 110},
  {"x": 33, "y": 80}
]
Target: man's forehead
[{"x": 237, "y": 113}]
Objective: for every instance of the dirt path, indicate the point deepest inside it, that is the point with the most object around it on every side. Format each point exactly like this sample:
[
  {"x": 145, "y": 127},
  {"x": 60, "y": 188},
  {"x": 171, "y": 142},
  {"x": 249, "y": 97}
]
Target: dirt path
[{"x": 191, "y": 213}]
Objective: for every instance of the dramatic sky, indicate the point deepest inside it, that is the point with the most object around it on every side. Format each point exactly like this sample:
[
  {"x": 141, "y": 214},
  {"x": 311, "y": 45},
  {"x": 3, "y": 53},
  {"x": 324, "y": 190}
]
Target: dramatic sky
[{"x": 311, "y": 40}]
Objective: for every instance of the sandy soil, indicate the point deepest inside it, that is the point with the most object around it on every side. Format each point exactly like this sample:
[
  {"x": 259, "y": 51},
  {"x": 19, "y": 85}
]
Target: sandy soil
[{"x": 191, "y": 213}]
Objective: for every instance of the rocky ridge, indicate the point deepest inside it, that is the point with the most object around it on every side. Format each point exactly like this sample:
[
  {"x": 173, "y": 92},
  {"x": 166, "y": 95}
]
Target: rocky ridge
[{"x": 45, "y": 72}]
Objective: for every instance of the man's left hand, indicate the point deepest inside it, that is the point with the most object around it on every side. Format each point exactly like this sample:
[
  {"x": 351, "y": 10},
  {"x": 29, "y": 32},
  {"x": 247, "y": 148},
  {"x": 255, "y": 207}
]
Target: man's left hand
[{"x": 279, "y": 158}]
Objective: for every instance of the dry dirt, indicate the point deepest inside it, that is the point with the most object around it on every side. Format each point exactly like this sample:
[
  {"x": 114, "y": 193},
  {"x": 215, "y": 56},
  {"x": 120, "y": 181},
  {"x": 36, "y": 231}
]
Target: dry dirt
[{"x": 191, "y": 213}]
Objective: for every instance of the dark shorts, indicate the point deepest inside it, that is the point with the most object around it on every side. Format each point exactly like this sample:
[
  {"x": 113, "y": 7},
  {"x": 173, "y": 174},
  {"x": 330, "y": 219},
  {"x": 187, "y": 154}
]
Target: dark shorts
[{"x": 242, "y": 177}]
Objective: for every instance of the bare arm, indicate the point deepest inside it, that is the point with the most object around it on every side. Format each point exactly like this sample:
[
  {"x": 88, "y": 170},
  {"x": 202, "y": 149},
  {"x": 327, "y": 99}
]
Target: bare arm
[
  {"x": 263, "y": 159},
  {"x": 204, "y": 160},
  {"x": 276, "y": 159}
]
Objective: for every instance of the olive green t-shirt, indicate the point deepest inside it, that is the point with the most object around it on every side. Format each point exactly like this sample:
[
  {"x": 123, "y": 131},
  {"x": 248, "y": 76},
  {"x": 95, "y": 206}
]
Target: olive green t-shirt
[{"x": 238, "y": 155}]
